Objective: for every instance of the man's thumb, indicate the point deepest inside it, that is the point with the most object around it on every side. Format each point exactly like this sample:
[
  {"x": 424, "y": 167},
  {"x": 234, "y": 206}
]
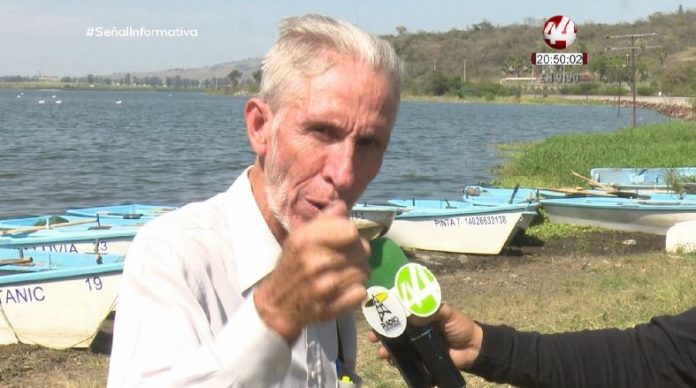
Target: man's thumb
[{"x": 336, "y": 208}]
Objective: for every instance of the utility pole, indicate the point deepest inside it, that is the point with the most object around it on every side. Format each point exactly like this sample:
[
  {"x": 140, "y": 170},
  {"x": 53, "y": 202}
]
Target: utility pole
[
  {"x": 632, "y": 47},
  {"x": 464, "y": 69}
]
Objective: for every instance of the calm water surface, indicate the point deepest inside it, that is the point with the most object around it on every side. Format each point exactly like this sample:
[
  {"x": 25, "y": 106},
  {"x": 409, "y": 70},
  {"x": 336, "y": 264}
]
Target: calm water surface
[{"x": 162, "y": 148}]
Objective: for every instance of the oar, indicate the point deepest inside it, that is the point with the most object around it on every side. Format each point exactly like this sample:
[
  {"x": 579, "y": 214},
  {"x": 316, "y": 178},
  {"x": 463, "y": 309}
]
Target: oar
[
  {"x": 125, "y": 216},
  {"x": 628, "y": 194},
  {"x": 514, "y": 192},
  {"x": 578, "y": 192},
  {"x": 29, "y": 229},
  {"x": 20, "y": 261},
  {"x": 593, "y": 182}
]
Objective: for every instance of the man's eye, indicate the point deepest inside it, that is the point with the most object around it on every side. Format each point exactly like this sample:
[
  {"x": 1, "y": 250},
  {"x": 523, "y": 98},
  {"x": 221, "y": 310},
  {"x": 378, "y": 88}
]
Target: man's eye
[
  {"x": 321, "y": 132},
  {"x": 368, "y": 142}
]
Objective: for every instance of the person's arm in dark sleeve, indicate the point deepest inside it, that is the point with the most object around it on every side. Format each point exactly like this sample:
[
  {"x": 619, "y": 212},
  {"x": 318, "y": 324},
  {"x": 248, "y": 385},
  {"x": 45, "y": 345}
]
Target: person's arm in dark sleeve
[{"x": 661, "y": 353}]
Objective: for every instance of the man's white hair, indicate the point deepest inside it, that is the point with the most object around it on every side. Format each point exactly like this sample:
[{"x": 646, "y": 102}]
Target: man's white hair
[{"x": 307, "y": 46}]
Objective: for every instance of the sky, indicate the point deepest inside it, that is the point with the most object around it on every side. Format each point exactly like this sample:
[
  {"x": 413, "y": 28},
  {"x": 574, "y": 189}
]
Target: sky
[{"x": 47, "y": 37}]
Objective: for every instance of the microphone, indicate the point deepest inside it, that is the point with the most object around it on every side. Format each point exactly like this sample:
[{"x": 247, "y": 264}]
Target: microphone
[{"x": 396, "y": 289}]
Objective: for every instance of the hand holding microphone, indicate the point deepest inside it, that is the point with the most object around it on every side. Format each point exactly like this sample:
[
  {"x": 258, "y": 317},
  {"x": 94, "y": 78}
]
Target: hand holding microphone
[{"x": 396, "y": 289}]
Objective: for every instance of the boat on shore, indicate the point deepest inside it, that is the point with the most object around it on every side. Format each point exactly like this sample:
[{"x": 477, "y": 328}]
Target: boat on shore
[
  {"x": 103, "y": 229},
  {"x": 127, "y": 211},
  {"x": 644, "y": 180},
  {"x": 56, "y": 300},
  {"x": 457, "y": 226},
  {"x": 655, "y": 215},
  {"x": 372, "y": 221},
  {"x": 86, "y": 235}
]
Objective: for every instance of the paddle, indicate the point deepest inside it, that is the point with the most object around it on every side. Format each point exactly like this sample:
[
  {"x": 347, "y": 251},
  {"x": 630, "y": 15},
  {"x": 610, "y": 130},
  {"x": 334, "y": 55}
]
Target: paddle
[
  {"x": 136, "y": 216},
  {"x": 125, "y": 216},
  {"x": 20, "y": 261},
  {"x": 581, "y": 193},
  {"x": 593, "y": 182},
  {"x": 30, "y": 229},
  {"x": 514, "y": 192},
  {"x": 610, "y": 189}
]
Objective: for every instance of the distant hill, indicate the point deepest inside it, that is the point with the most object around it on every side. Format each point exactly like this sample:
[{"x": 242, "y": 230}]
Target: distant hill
[
  {"x": 484, "y": 52},
  {"x": 221, "y": 70},
  {"x": 473, "y": 60}
]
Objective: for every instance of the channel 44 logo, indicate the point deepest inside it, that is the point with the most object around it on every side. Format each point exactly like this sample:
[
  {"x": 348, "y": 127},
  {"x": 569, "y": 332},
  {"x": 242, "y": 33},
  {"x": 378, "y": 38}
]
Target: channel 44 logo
[{"x": 559, "y": 32}]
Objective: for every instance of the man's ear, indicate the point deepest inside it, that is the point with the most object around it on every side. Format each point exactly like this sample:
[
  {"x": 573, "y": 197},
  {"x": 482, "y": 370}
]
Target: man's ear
[{"x": 259, "y": 119}]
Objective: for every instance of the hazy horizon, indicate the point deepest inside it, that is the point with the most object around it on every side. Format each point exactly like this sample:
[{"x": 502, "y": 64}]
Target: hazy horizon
[{"x": 42, "y": 37}]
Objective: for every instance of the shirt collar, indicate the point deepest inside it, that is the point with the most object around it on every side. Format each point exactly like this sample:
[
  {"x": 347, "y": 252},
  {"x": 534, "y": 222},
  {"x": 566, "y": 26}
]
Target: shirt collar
[{"x": 256, "y": 250}]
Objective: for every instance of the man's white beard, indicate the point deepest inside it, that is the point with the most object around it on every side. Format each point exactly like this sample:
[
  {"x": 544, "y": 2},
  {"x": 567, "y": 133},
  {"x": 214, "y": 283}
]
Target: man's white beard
[{"x": 276, "y": 187}]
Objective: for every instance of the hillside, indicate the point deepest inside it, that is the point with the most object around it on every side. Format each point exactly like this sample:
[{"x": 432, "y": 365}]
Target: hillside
[
  {"x": 473, "y": 60},
  {"x": 221, "y": 70},
  {"x": 484, "y": 52}
]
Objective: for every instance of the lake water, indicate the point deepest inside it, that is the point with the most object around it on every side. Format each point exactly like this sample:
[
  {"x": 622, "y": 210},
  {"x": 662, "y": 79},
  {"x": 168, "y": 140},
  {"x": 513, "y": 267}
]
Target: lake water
[{"x": 161, "y": 148}]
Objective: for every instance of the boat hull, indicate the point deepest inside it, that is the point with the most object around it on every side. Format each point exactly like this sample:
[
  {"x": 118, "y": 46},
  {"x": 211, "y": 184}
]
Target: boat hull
[
  {"x": 372, "y": 221},
  {"x": 114, "y": 241},
  {"x": 56, "y": 307},
  {"x": 480, "y": 233},
  {"x": 641, "y": 180},
  {"x": 654, "y": 217}
]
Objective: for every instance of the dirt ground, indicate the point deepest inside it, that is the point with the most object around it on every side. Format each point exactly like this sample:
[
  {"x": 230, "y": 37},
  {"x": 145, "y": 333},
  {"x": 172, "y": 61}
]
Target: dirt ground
[{"x": 31, "y": 366}]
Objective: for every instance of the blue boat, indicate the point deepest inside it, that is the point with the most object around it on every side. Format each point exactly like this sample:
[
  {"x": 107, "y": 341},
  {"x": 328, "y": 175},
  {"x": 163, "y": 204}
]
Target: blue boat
[
  {"x": 127, "y": 211},
  {"x": 56, "y": 300},
  {"x": 655, "y": 215},
  {"x": 102, "y": 229},
  {"x": 642, "y": 179},
  {"x": 496, "y": 195},
  {"x": 83, "y": 237},
  {"x": 30, "y": 223},
  {"x": 372, "y": 221}
]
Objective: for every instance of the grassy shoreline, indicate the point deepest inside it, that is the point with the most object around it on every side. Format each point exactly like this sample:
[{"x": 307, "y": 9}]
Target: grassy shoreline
[{"x": 548, "y": 163}]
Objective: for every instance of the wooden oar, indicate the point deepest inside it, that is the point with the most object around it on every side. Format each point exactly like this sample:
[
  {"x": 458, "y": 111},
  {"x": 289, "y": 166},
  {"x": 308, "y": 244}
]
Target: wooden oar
[
  {"x": 20, "y": 261},
  {"x": 614, "y": 190},
  {"x": 125, "y": 216},
  {"x": 29, "y": 229},
  {"x": 593, "y": 182},
  {"x": 583, "y": 193}
]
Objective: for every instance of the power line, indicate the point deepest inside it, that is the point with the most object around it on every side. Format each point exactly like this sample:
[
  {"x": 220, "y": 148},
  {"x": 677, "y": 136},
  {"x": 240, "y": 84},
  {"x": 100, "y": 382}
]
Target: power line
[{"x": 633, "y": 48}]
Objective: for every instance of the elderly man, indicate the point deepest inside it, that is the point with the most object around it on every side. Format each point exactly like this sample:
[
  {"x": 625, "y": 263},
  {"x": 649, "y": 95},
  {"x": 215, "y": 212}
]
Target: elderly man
[{"x": 257, "y": 286}]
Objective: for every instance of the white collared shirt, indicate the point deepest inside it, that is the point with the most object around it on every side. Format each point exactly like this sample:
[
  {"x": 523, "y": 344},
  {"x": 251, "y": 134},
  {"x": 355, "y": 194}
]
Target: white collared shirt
[{"x": 186, "y": 314}]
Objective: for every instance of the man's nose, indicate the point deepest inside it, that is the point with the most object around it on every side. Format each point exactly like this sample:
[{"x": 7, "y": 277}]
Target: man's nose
[{"x": 340, "y": 168}]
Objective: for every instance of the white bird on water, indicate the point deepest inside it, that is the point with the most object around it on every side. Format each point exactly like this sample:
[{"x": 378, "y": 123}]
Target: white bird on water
[
  {"x": 59, "y": 101},
  {"x": 119, "y": 101},
  {"x": 42, "y": 101}
]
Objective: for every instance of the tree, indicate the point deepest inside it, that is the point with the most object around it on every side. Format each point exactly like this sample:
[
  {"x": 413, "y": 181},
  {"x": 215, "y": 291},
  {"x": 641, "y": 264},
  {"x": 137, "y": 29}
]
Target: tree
[
  {"x": 512, "y": 65},
  {"x": 401, "y": 30},
  {"x": 257, "y": 76},
  {"x": 127, "y": 79},
  {"x": 90, "y": 78},
  {"x": 234, "y": 77},
  {"x": 662, "y": 55}
]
